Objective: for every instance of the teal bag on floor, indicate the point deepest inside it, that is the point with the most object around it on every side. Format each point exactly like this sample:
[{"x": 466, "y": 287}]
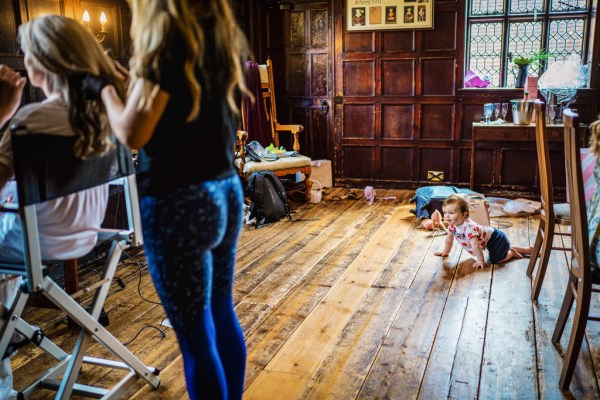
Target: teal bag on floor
[{"x": 430, "y": 198}]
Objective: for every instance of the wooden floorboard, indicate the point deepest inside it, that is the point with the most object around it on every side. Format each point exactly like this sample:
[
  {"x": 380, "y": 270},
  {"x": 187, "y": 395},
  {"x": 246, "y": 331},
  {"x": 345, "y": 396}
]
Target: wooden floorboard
[{"x": 348, "y": 301}]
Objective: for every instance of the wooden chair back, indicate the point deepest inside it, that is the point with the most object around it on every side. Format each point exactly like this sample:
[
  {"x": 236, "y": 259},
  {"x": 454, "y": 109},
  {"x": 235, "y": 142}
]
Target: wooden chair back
[
  {"x": 579, "y": 232},
  {"x": 543, "y": 156},
  {"x": 265, "y": 104},
  {"x": 579, "y": 287}
]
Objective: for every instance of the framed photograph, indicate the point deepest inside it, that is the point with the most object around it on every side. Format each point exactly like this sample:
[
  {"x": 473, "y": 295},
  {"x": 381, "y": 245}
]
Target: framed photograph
[{"x": 370, "y": 15}]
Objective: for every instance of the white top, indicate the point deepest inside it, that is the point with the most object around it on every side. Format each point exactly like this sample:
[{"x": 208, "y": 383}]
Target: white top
[
  {"x": 68, "y": 225},
  {"x": 469, "y": 229}
]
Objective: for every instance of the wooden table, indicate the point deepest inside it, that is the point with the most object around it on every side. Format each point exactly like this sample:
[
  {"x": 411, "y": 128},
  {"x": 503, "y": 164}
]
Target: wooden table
[{"x": 508, "y": 132}]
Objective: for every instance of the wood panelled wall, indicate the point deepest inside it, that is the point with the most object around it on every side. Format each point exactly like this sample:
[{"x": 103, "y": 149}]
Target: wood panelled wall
[
  {"x": 397, "y": 99},
  {"x": 397, "y": 107}
]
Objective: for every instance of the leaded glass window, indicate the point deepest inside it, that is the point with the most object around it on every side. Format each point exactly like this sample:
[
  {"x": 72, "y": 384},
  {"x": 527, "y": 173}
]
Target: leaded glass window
[{"x": 497, "y": 30}]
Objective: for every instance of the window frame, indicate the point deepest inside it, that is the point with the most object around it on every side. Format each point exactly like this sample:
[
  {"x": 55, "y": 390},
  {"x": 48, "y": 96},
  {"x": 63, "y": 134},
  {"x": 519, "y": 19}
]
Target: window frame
[{"x": 545, "y": 17}]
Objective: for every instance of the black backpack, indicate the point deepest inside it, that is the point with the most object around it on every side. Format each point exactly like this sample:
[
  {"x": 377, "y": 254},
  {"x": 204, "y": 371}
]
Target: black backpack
[{"x": 269, "y": 201}]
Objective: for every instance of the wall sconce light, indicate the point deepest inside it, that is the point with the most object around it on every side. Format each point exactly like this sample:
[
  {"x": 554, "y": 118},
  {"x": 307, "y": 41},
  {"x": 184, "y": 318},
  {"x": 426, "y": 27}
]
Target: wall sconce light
[{"x": 100, "y": 36}]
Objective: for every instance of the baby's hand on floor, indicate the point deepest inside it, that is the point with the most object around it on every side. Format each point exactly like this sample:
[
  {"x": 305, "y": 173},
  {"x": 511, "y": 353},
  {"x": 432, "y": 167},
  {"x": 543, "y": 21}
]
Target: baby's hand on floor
[
  {"x": 440, "y": 254},
  {"x": 478, "y": 264}
]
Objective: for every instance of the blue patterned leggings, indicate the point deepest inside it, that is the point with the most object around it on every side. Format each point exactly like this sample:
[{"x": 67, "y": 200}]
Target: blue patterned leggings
[{"x": 190, "y": 239}]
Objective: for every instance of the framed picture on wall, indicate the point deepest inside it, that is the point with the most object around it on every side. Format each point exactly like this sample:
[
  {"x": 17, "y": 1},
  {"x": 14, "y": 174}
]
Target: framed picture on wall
[{"x": 369, "y": 15}]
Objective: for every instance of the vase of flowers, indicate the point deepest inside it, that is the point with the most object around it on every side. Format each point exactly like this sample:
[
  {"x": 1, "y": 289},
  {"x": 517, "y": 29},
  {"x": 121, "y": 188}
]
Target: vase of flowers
[{"x": 522, "y": 62}]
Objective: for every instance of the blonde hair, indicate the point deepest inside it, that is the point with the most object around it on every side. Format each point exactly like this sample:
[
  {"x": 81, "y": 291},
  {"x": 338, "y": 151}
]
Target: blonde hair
[
  {"x": 595, "y": 137},
  {"x": 153, "y": 26},
  {"x": 461, "y": 201},
  {"x": 66, "y": 51}
]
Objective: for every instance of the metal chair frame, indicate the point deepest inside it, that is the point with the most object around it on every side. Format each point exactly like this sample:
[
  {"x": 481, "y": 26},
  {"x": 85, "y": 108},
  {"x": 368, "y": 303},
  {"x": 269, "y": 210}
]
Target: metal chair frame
[{"x": 42, "y": 173}]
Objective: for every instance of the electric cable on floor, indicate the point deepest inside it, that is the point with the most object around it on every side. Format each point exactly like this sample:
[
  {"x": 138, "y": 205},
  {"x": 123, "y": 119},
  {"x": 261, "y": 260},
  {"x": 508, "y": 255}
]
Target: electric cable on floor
[{"x": 141, "y": 269}]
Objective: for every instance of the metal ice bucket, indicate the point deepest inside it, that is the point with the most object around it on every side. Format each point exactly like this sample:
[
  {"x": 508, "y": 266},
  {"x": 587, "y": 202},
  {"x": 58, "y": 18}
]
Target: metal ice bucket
[{"x": 522, "y": 111}]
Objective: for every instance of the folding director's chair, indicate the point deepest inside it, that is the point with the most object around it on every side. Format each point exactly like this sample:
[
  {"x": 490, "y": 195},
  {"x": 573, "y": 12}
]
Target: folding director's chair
[{"x": 45, "y": 169}]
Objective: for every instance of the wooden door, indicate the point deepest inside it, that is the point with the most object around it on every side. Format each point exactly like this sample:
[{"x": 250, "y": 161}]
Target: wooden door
[{"x": 298, "y": 40}]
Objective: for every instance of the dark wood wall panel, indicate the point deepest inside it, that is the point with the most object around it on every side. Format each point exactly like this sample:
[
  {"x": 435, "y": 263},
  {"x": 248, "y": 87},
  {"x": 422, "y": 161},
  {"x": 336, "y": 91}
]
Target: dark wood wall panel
[
  {"x": 398, "y": 41},
  {"x": 8, "y": 29},
  {"x": 359, "y": 120},
  {"x": 397, "y": 121},
  {"x": 358, "y": 162},
  {"x": 438, "y": 76},
  {"x": 297, "y": 29},
  {"x": 359, "y": 78},
  {"x": 318, "y": 78},
  {"x": 358, "y": 42},
  {"x": 443, "y": 37},
  {"x": 434, "y": 159},
  {"x": 274, "y": 30},
  {"x": 484, "y": 166},
  {"x": 398, "y": 77},
  {"x": 557, "y": 164},
  {"x": 470, "y": 114},
  {"x": 396, "y": 163},
  {"x": 318, "y": 141},
  {"x": 297, "y": 77},
  {"x": 526, "y": 160},
  {"x": 35, "y": 8},
  {"x": 319, "y": 29},
  {"x": 464, "y": 163},
  {"x": 436, "y": 121}
]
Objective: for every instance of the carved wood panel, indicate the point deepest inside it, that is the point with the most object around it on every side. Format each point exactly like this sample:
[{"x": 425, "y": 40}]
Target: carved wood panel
[
  {"x": 398, "y": 41},
  {"x": 397, "y": 121},
  {"x": 443, "y": 37},
  {"x": 357, "y": 41},
  {"x": 438, "y": 76},
  {"x": 359, "y": 120},
  {"x": 359, "y": 78},
  {"x": 436, "y": 121},
  {"x": 434, "y": 159},
  {"x": 397, "y": 163},
  {"x": 398, "y": 77},
  {"x": 358, "y": 162}
]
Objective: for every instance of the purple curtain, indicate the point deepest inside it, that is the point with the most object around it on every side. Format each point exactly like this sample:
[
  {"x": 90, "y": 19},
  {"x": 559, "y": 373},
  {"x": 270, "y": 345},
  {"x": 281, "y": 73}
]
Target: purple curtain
[{"x": 257, "y": 125}]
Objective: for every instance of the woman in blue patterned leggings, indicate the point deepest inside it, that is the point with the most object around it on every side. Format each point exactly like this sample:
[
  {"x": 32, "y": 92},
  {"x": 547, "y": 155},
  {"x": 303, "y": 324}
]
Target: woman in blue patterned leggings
[
  {"x": 182, "y": 113},
  {"x": 190, "y": 250}
]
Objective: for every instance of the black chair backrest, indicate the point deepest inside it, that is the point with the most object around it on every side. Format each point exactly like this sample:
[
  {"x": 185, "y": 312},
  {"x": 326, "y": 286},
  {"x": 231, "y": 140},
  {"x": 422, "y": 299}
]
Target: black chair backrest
[
  {"x": 580, "y": 265},
  {"x": 46, "y": 167}
]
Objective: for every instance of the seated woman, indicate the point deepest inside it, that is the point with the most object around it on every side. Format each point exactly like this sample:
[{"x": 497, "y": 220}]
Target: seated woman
[
  {"x": 593, "y": 211},
  {"x": 68, "y": 225}
]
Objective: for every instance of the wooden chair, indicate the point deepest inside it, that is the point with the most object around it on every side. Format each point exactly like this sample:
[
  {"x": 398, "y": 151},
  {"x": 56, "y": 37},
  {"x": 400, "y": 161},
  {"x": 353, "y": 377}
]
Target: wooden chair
[
  {"x": 46, "y": 169},
  {"x": 264, "y": 108},
  {"x": 579, "y": 288},
  {"x": 551, "y": 213}
]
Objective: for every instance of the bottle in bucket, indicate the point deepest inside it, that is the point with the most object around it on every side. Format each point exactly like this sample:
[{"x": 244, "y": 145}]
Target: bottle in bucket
[{"x": 522, "y": 111}]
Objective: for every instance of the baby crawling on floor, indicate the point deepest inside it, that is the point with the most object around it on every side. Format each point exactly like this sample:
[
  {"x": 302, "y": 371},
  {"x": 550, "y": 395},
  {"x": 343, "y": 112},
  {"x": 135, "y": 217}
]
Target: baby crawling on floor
[{"x": 476, "y": 238}]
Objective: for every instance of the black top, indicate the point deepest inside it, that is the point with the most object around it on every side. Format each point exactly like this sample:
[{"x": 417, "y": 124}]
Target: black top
[{"x": 182, "y": 153}]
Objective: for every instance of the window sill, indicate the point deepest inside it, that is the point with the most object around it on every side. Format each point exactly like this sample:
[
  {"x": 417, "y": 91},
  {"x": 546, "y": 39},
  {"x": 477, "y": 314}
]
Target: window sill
[{"x": 583, "y": 94}]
